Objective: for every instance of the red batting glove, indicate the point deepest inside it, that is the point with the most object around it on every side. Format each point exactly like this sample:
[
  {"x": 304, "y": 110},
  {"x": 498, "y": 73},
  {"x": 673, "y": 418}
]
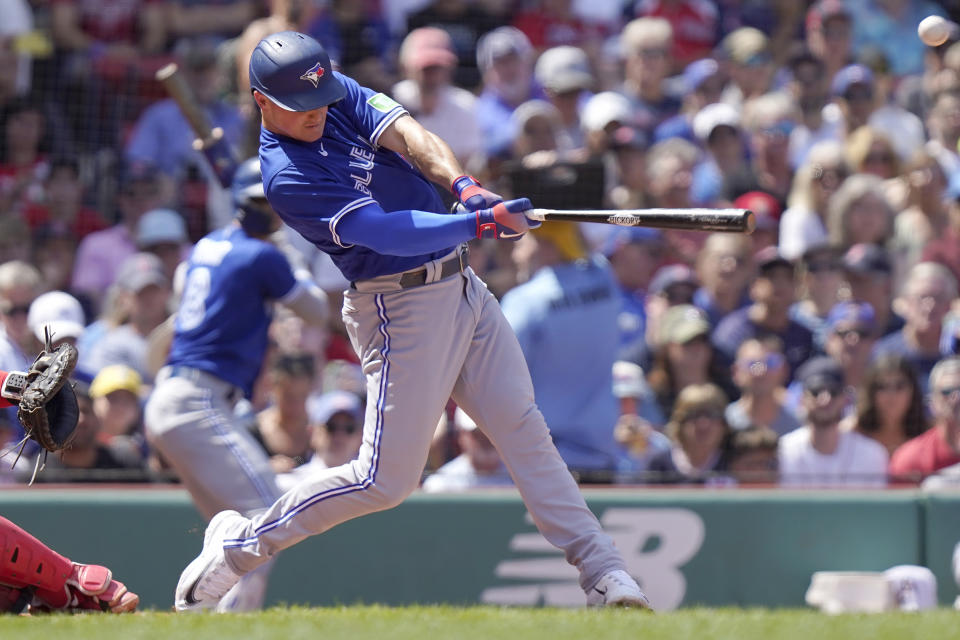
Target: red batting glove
[
  {"x": 473, "y": 196},
  {"x": 505, "y": 220}
]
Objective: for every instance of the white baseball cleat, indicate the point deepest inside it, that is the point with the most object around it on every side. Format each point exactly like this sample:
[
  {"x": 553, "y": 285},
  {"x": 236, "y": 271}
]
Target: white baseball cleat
[
  {"x": 208, "y": 578},
  {"x": 617, "y": 589}
]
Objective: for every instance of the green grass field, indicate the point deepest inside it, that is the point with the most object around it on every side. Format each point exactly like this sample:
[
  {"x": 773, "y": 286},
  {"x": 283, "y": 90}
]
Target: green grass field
[{"x": 443, "y": 623}]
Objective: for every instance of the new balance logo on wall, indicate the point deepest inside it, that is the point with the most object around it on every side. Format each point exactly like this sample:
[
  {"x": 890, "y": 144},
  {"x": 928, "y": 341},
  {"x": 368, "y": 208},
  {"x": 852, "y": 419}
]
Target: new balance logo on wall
[{"x": 547, "y": 579}]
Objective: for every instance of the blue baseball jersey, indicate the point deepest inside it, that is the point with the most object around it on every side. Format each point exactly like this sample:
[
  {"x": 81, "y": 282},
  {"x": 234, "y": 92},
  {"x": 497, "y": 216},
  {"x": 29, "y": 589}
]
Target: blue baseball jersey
[
  {"x": 221, "y": 324},
  {"x": 313, "y": 186}
]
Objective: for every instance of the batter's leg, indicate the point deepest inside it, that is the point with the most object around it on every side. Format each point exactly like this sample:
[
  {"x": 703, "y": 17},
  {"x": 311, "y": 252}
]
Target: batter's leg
[
  {"x": 495, "y": 389},
  {"x": 411, "y": 346}
]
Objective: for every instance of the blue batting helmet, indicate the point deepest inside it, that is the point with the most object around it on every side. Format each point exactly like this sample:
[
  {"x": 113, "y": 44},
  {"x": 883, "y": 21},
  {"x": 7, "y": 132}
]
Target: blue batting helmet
[
  {"x": 253, "y": 212},
  {"x": 294, "y": 71}
]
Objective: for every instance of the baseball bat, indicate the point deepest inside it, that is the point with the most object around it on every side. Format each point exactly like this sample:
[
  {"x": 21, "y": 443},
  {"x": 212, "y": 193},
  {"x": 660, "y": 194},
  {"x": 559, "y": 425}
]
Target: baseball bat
[
  {"x": 730, "y": 220},
  {"x": 209, "y": 140}
]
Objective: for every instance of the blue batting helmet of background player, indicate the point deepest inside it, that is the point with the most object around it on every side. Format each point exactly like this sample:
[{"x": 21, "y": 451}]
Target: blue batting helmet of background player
[
  {"x": 294, "y": 71},
  {"x": 253, "y": 211}
]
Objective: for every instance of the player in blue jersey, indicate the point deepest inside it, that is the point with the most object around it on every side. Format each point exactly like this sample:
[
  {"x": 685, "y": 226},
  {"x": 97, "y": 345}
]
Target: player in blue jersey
[
  {"x": 351, "y": 171},
  {"x": 219, "y": 342}
]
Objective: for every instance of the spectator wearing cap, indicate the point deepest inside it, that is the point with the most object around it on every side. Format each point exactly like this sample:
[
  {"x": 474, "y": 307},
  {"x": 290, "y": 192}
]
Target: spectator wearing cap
[
  {"x": 772, "y": 293},
  {"x": 284, "y": 429},
  {"x": 116, "y": 393},
  {"x": 428, "y": 62},
  {"x": 939, "y": 446},
  {"x": 748, "y": 62},
  {"x": 672, "y": 284},
  {"x": 505, "y": 60},
  {"x": 850, "y": 335},
  {"x": 684, "y": 356},
  {"x": 804, "y": 223},
  {"x": 92, "y": 455},
  {"x": 565, "y": 74},
  {"x": 809, "y": 85},
  {"x": 926, "y": 214},
  {"x": 891, "y": 26},
  {"x": 854, "y": 97},
  {"x": 820, "y": 454},
  {"x": 890, "y": 403},
  {"x": 700, "y": 84},
  {"x": 888, "y": 114},
  {"x": 760, "y": 373},
  {"x": 479, "y": 464},
  {"x": 565, "y": 290},
  {"x": 634, "y": 254},
  {"x": 724, "y": 269},
  {"x": 62, "y": 209},
  {"x": 540, "y": 132},
  {"x": 101, "y": 253},
  {"x": 629, "y": 147},
  {"x": 146, "y": 292},
  {"x": 766, "y": 214},
  {"x": 20, "y": 284},
  {"x": 636, "y": 398},
  {"x": 163, "y": 139},
  {"x": 602, "y": 115},
  {"x": 694, "y": 24},
  {"x": 769, "y": 121},
  {"x": 860, "y": 213},
  {"x": 61, "y": 314},
  {"x": 717, "y": 129},
  {"x": 467, "y": 23},
  {"x": 925, "y": 298},
  {"x": 698, "y": 431},
  {"x": 820, "y": 277},
  {"x": 337, "y": 434},
  {"x": 869, "y": 275},
  {"x": 829, "y": 34},
  {"x": 645, "y": 45},
  {"x": 163, "y": 233}
]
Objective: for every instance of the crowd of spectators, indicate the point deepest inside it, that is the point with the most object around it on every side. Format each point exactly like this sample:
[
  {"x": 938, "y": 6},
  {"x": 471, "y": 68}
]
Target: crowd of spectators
[{"x": 818, "y": 351}]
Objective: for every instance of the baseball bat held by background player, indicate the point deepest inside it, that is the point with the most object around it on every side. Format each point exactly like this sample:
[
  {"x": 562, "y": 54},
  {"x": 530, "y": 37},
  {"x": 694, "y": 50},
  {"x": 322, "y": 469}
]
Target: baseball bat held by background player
[{"x": 731, "y": 220}]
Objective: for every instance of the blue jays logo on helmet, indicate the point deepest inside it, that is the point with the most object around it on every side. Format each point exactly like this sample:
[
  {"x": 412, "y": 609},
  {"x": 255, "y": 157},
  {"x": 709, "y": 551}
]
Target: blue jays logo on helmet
[
  {"x": 277, "y": 67},
  {"x": 314, "y": 74}
]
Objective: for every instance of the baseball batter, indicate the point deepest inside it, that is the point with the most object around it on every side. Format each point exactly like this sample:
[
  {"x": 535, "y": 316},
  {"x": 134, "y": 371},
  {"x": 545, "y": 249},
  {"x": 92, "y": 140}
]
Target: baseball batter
[
  {"x": 351, "y": 171},
  {"x": 220, "y": 337}
]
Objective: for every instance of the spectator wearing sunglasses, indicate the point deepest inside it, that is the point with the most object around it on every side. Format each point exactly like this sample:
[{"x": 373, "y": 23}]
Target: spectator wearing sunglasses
[
  {"x": 820, "y": 278},
  {"x": 890, "y": 406},
  {"x": 336, "y": 437},
  {"x": 698, "y": 431},
  {"x": 478, "y": 466},
  {"x": 939, "y": 446},
  {"x": 850, "y": 333},
  {"x": 760, "y": 372},
  {"x": 20, "y": 284},
  {"x": 804, "y": 223},
  {"x": 820, "y": 453}
]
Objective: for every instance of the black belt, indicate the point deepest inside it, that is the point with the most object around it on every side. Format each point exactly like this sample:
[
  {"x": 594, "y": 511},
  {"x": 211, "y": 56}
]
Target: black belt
[{"x": 454, "y": 264}]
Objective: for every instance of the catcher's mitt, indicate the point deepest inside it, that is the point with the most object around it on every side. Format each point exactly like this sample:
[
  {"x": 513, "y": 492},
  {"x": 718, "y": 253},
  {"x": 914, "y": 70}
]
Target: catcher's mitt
[{"x": 47, "y": 405}]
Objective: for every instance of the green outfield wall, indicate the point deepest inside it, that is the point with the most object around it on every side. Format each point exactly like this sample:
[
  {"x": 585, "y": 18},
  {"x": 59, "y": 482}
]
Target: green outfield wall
[{"x": 688, "y": 547}]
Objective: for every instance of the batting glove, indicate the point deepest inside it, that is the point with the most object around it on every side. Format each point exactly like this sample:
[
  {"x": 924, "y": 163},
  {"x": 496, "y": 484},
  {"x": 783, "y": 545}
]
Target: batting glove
[
  {"x": 473, "y": 196},
  {"x": 505, "y": 220}
]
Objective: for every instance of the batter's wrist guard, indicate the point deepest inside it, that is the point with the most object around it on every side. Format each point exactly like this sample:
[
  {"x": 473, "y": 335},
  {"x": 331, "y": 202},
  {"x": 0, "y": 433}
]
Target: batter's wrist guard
[{"x": 472, "y": 195}]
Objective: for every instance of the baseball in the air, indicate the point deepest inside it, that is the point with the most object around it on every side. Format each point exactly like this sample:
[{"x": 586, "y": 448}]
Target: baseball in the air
[{"x": 934, "y": 30}]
